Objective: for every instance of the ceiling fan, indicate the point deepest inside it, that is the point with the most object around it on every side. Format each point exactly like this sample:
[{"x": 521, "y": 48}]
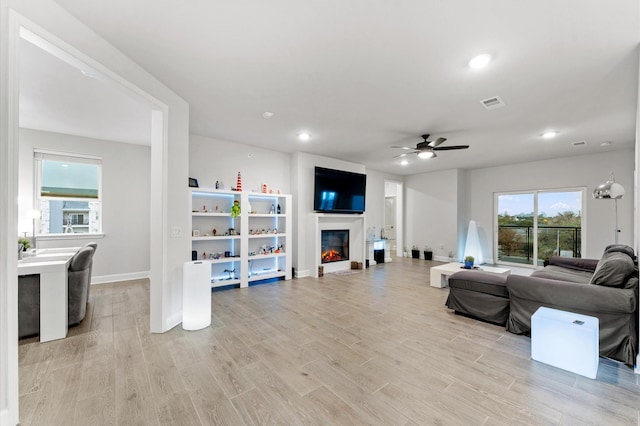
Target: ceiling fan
[{"x": 427, "y": 148}]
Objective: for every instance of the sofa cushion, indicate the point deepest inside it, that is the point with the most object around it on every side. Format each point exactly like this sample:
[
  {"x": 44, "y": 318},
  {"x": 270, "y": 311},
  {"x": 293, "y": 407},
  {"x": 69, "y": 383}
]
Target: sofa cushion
[
  {"x": 613, "y": 269},
  {"x": 480, "y": 282},
  {"x": 574, "y": 263},
  {"x": 563, "y": 274}
]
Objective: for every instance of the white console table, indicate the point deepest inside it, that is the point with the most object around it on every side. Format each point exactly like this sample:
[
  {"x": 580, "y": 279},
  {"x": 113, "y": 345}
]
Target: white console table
[{"x": 52, "y": 265}]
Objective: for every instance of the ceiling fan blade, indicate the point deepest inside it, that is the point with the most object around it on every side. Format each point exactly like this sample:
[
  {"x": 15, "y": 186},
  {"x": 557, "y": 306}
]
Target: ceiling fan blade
[
  {"x": 404, "y": 154},
  {"x": 451, "y": 148},
  {"x": 437, "y": 142},
  {"x": 402, "y": 147}
]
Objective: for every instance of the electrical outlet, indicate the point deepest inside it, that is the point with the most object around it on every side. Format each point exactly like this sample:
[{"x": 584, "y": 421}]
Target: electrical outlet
[{"x": 176, "y": 232}]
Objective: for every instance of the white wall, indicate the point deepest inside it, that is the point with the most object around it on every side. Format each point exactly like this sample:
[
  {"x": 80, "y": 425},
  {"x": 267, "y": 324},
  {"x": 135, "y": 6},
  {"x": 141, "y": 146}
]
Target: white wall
[
  {"x": 124, "y": 250},
  {"x": 212, "y": 160},
  {"x": 169, "y": 171},
  {"x": 439, "y": 205},
  {"x": 375, "y": 198},
  {"x": 302, "y": 175},
  {"x": 431, "y": 212},
  {"x": 581, "y": 171}
]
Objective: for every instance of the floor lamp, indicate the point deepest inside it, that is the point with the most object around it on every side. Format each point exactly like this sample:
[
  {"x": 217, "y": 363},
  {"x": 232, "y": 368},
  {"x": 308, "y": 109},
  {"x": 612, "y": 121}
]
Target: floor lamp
[
  {"x": 34, "y": 215},
  {"x": 613, "y": 191}
]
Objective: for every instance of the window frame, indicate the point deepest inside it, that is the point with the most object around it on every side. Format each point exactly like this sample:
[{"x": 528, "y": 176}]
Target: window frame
[
  {"x": 535, "y": 193},
  {"x": 42, "y": 154}
]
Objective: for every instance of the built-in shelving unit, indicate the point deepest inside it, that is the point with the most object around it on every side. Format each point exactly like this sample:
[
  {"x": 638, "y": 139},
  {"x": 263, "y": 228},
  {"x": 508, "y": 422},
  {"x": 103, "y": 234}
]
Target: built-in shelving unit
[{"x": 251, "y": 247}]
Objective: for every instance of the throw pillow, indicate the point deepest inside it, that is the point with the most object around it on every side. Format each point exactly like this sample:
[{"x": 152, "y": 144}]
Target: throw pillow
[
  {"x": 622, "y": 248},
  {"x": 613, "y": 270}
]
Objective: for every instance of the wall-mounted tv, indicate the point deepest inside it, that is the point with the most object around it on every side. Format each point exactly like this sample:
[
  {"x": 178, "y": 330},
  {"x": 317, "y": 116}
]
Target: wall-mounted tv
[{"x": 337, "y": 191}]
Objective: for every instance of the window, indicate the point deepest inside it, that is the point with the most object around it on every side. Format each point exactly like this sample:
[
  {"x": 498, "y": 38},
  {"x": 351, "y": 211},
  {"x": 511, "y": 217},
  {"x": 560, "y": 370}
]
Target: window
[
  {"x": 68, "y": 191},
  {"x": 533, "y": 226}
]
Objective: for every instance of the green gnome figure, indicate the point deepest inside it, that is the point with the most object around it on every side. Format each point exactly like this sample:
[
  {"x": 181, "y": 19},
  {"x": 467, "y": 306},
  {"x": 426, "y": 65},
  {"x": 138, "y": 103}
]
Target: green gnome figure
[{"x": 235, "y": 209}]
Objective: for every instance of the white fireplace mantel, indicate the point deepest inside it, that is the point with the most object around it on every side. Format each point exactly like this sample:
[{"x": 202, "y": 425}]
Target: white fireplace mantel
[{"x": 319, "y": 222}]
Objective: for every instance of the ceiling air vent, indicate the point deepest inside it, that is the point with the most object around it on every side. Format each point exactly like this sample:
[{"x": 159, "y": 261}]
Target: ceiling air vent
[
  {"x": 492, "y": 103},
  {"x": 580, "y": 143}
]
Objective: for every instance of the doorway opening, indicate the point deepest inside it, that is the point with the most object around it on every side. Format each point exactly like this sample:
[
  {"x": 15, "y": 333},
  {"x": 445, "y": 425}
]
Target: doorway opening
[{"x": 393, "y": 217}]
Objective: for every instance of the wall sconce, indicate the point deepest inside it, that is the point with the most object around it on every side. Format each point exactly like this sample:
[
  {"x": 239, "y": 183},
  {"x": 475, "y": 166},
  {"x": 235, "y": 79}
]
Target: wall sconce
[{"x": 610, "y": 190}]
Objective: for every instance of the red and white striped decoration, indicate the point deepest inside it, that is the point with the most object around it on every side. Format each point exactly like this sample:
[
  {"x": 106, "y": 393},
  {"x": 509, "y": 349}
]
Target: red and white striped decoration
[{"x": 239, "y": 183}]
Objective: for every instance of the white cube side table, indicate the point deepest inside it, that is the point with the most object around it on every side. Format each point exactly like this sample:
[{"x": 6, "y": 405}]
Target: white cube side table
[{"x": 566, "y": 340}]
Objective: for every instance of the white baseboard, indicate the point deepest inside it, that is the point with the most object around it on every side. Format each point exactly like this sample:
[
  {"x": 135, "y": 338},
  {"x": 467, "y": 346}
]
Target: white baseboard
[
  {"x": 443, "y": 259},
  {"x": 302, "y": 274},
  {"x": 102, "y": 279}
]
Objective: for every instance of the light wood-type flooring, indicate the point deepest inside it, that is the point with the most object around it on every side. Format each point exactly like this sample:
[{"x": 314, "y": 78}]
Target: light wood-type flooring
[{"x": 377, "y": 347}]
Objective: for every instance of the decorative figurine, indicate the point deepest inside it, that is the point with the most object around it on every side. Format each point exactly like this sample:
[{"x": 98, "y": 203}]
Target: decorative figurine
[
  {"x": 279, "y": 210},
  {"x": 217, "y": 184},
  {"x": 272, "y": 210},
  {"x": 214, "y": 232},
  {"x": 235, "y": 209},
  {"x": 239, "y": 183},
  {"x": 204, "y": 208}
]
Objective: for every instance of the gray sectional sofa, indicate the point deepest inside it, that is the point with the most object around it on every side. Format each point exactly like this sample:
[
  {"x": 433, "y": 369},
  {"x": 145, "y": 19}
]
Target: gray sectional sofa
[{"x": 606, "y": 288}]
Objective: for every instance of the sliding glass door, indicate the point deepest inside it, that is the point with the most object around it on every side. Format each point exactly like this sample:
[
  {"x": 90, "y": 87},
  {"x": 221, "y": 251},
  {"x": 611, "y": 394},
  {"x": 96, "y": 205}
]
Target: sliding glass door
[{"x": 532, "y": 226}]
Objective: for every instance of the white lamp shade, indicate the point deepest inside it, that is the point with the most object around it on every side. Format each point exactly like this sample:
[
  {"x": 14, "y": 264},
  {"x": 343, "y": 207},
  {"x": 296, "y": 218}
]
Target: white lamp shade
[
  {"x": 472, "y": 246},
  {"x": 609, "y": 189},
  {"x": 33, "y": 214}
]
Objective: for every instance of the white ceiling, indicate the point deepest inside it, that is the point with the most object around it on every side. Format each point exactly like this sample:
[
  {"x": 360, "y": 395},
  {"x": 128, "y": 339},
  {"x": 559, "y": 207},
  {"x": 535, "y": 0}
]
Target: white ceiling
[
  {"x": 56, "y": 96},
  {"x": 363, "y": 75}
]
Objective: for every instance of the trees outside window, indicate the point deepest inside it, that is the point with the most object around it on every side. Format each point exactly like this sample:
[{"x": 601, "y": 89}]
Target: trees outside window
[{"x": 533, "y": 226}]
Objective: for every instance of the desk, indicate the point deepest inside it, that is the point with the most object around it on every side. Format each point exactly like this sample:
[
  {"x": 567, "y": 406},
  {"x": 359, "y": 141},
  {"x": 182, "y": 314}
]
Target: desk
[
  {"x": 52, "y": 265},
  {"x": 439, "y": 274}
]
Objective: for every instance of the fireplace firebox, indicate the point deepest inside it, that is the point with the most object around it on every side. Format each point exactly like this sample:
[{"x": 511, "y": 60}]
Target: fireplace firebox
[{"x": 334, "y": 245}]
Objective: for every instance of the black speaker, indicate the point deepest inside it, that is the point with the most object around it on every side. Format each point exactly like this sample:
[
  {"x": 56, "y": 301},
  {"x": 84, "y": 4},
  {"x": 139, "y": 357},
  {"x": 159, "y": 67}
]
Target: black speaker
[{"x": 194, "y": 255}]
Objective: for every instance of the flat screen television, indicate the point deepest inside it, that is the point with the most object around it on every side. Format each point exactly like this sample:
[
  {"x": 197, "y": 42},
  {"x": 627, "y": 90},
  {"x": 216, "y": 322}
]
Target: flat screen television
[{"x": 337, "y": 191}]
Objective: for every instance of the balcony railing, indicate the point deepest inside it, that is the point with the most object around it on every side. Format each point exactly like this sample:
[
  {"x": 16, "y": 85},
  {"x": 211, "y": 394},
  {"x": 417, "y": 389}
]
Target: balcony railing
[{"x": 515, "y": 243}]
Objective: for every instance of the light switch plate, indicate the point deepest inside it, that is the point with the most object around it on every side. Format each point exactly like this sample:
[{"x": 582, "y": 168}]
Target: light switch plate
[{"x": 176, "y": 232}]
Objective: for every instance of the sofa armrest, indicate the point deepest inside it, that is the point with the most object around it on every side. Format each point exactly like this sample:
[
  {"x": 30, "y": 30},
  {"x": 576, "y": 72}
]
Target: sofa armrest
[
  {"x": 572, "y": 296},
  {"x": 574, "y": 263}
]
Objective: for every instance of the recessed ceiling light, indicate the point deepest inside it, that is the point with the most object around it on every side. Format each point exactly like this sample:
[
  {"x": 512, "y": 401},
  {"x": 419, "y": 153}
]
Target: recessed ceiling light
[
  {"x": 87, "y": 73},
  {"x": 550, "y": 134},
  {"x": 426, "y": 154},
  {"x": 404, "y": 162},
  {"x": 267, "y": 115},
  {"x": 607, "y": 143},
  {"x": 64, "y": 165},
  {"x": 480, "y": 61},
  {"x": 304, "y": 136}
]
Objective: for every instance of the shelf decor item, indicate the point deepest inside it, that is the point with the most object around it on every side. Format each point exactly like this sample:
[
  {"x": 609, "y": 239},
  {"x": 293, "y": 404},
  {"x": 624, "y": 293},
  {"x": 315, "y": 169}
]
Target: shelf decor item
[
  {"x": 235, "y": 209},
  {"x": 428, "y": 253},
  {"x": 468, "y": 262},
  {"x": 239, "y": 183}
]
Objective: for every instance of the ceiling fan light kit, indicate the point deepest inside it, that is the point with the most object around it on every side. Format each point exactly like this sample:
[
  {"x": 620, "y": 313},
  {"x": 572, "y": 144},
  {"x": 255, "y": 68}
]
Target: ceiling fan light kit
[{"x": 426, "y": 154}]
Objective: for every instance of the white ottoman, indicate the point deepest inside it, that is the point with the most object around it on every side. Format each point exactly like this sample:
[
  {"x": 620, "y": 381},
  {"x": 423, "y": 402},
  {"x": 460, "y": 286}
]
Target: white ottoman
[{"x": 566, "y": 340}]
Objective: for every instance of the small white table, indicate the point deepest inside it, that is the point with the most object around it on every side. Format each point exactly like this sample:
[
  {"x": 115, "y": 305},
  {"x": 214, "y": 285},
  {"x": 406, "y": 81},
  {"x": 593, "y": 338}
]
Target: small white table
[
  {"x": 566, "y": 340},
  {"x": 440, "y": 274},
  {"x": 52, "y": 265}
]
